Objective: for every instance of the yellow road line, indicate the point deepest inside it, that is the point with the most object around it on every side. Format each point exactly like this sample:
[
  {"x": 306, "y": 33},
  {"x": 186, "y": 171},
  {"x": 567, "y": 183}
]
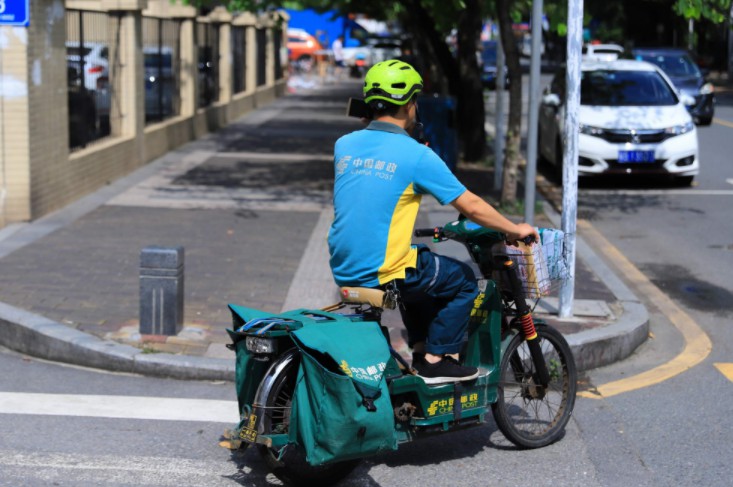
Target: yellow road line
[
  {"x": 720, "y": 121},
  {"x": 726, "y": 370},
  {"x": 697, "y": 343}
]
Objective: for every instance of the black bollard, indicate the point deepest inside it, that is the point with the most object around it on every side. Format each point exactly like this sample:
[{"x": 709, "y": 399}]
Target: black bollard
[{"x": 161, "y": 290}]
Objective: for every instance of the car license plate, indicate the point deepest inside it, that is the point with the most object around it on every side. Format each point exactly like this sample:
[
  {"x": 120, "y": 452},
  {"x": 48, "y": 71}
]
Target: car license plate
[{"x": 625, "y": 156}]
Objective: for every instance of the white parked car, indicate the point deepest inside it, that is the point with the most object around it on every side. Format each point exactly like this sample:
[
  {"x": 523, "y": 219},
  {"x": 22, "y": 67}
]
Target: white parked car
[
  {"x": 96, "y": 62},
  {"x": 95, "y": 78},
  {"x": 602, "y": 52},
  {"x": 632, "y": 121}
]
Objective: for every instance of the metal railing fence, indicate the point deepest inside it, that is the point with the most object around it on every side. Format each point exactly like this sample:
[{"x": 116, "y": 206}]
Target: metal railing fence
[{"x": 89, "y": 77}]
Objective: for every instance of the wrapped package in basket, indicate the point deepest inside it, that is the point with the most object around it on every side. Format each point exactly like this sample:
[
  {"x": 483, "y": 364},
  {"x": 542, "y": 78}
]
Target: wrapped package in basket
[
  {"x": 532, "y": 268},
  {"x": 553, "y": 246}
]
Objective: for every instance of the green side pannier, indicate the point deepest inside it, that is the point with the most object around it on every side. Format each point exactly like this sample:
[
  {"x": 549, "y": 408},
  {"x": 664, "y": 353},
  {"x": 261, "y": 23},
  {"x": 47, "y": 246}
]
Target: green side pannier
[{"x": 341, "y": 408}]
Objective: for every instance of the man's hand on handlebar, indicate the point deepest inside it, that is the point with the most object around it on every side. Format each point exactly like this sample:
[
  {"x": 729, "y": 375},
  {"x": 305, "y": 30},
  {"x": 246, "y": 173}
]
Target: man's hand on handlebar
[{"x": 523, "y": 231}]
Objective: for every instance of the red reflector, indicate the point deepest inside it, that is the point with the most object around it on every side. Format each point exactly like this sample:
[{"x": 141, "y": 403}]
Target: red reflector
[{"x": 96, "y": 69}]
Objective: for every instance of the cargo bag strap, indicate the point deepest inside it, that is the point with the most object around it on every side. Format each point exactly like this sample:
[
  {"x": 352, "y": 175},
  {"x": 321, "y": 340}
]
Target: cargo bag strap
[
  {"x": 368, "y": 395},
  {"x": 457, "y": 406}
]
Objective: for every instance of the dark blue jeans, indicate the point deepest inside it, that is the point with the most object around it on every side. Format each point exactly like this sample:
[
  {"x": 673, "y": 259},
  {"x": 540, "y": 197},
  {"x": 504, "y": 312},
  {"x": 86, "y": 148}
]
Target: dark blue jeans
[{"x": 438, "y": 297}]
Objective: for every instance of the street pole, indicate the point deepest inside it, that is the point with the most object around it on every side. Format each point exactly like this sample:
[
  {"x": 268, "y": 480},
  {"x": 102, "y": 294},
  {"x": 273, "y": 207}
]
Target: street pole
[
  {"x": 499, "y": 132},
  {"x": 570, "y": 156},
  {"x": 534, "y": 115},
  {"x": 730, "y": 45}
]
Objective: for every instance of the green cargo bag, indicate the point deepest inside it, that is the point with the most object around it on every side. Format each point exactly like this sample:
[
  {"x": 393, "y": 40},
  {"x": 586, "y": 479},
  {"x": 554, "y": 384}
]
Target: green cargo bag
[{"x": 341, "y": 408}]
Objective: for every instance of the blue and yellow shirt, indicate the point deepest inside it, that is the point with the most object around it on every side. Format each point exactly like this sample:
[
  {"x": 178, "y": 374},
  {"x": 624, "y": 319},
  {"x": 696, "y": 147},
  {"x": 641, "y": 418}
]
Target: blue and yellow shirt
[{"x": 381, "y": 174}]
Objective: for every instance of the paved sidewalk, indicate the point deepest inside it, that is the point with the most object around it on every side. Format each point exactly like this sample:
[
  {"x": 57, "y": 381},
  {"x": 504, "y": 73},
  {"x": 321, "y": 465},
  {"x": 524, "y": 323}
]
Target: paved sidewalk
[{"x": 251, "y": 205}]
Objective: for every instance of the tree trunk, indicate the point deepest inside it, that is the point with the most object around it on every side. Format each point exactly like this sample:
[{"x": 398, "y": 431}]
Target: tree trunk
[
  {"x": 423, "y": 23},
  {"x": 462, "y": 76},
  {"x": 512, "y": 154},
  {"x": 470, "y": 96}
]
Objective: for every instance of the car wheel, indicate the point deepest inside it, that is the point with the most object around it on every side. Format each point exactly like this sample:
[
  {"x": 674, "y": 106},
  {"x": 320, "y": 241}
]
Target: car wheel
[{"x": 705, "y": 121}]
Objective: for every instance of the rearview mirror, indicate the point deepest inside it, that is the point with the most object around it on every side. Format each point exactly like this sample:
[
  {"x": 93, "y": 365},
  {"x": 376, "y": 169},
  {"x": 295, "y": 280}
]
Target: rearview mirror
[{"x": 687, "y": 100}]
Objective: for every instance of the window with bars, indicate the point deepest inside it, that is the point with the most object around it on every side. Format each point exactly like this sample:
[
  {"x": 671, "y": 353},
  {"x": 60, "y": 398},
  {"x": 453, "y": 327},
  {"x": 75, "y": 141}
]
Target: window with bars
[
  {"x": 261, "y": 36},
  {"x": 162, "y": 61},
  {"x": 207, "y": 40},
  {"x": 239, "y": 59},
  {"x": 89, "y": 76}
]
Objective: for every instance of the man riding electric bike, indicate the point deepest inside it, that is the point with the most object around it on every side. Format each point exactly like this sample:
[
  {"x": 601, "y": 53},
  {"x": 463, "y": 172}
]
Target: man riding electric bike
[{"x": 381, "y": 174}]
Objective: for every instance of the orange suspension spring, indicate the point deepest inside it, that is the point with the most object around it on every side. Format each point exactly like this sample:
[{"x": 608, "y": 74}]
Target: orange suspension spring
[{"x": 528, "y": 327}]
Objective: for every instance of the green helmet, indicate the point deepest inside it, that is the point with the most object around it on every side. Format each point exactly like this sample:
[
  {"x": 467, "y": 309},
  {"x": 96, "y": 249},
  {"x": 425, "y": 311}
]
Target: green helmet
[{"x": 393, "y": 80}]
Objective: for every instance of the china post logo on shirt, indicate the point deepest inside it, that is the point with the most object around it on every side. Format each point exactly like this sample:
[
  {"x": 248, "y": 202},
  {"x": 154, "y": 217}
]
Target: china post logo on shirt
[
  {"x": 366, "y": 167},
  {"x": 342, "y": 164}
]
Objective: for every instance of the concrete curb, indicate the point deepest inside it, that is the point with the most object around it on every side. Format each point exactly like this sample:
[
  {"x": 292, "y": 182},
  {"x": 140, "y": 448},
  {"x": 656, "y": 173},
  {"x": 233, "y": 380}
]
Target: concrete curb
[
  {"x": 38, "y": 336},
  {"x": 609, "y": 344}
]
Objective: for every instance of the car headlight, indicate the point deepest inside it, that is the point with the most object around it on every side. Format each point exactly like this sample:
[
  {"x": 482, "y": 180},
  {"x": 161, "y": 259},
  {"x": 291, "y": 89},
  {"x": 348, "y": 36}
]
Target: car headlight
[
  {"x": 680, "y": 129},
  {"x": 260, "y": 345},
  {"x": 707, "y": 89},
  {"x": 589, "y": 130}
]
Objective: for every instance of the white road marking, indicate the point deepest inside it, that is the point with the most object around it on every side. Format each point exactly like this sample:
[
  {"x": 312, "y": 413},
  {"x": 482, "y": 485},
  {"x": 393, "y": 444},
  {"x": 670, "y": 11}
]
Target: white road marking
[
  {"x": 102, "y": 469},
  {"x": 127, "y": 407}
]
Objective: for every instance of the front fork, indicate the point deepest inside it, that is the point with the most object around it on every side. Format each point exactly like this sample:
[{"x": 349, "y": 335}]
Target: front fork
[{"x": 525, "y": 319}]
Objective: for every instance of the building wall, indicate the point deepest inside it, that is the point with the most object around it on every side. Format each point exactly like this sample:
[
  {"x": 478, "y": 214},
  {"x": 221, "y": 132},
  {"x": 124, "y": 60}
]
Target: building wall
[
  {"x": 14, "y": 125},
  {"x": 38, "y": 173}
]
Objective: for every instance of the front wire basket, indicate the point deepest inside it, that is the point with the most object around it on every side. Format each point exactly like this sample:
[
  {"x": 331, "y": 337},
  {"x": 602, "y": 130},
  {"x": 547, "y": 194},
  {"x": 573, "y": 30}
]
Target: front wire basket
[{"x": 541, "y": 268}]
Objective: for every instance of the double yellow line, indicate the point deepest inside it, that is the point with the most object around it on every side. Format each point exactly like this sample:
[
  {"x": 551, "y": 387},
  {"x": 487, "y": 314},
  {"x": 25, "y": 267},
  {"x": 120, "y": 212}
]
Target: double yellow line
[{"x": 697, "y": 344}]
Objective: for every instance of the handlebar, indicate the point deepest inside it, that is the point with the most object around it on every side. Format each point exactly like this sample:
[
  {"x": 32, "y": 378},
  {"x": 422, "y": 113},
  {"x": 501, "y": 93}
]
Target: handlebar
[
  {"x": 429, "y": 232},
  {"x": 528, "y": 240},
  {"x": 437, "y": 234}
]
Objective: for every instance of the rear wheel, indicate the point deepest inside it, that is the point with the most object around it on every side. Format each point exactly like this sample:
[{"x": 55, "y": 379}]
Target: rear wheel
[
  {"x": 529, "y": 415},
  {"x": 277, "y": 400}
]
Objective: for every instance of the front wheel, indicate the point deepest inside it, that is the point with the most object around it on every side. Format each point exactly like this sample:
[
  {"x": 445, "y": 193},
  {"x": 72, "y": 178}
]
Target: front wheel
[
  {"x": 276, "y": 394},
  {"x": 529, "y": 415}
]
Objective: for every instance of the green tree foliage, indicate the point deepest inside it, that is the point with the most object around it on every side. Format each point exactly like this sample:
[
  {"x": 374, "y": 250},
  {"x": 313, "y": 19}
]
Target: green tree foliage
[{"x": 714, "y": 10}]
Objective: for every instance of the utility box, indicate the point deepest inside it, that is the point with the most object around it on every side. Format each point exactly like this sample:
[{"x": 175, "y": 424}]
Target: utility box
[{"x": 161, "y": 290}]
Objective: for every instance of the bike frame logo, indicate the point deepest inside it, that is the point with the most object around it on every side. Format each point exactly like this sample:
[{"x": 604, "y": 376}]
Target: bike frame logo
[
  {"x": 372, "y": 372},
  {"x": 445, "y": 405},
  {"x": 478, "y": 314}
]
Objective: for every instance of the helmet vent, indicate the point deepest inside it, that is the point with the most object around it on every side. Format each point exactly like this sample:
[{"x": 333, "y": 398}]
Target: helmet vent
[
  {"x": 399, "y": 85},
  {"x": 405, "y": 67},
  {"x": 393, "y": 63}
]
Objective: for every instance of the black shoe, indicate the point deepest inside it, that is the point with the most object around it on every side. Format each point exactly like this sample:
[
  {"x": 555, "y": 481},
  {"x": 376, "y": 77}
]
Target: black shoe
[
  {"x": 417, "y": 357},
  {"x": 447, "y": 370}
]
